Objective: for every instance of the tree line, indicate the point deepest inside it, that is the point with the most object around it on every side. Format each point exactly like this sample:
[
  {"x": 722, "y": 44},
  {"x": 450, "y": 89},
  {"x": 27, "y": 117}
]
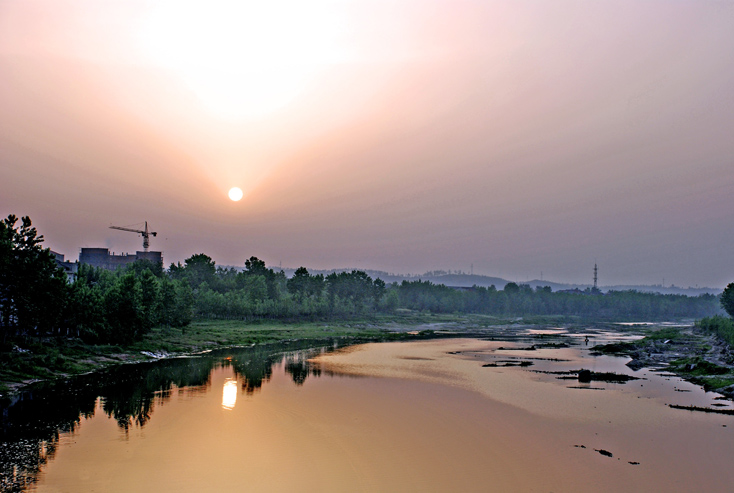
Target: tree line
[
  {"x": 719, "y": 325},
  {"x": 101, "y": 306}
]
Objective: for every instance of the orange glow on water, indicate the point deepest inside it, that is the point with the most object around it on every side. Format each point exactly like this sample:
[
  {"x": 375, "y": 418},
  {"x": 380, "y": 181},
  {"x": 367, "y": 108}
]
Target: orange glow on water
[{"x": 229, "y": 394}]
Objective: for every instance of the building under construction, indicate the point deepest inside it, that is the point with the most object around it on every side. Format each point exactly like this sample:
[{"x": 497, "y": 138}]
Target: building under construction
[{"x": 101, "y": 257}]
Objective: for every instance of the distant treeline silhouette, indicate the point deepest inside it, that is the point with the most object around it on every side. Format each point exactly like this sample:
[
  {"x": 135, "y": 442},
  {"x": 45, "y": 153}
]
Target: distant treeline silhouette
[{"x": 101, "y": 306}]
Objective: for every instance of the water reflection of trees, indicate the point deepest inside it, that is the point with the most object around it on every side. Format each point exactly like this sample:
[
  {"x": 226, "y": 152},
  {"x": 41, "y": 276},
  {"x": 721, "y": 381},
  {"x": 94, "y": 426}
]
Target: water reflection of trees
[
  {"x": 255, "y": 367},
  {"x": 32, "y": 423}
]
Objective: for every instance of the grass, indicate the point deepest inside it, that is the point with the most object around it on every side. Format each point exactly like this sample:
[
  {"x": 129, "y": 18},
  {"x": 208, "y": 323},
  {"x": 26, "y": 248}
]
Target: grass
[
  {"x": 666, "y": 333},
  {"x": 711, "y": 376},
  {"x": 49, "y": 358},
  {"x": 715, "y": 383},
  {"x": 697, "y": 366},
  {"x": 720, "y": 326}
]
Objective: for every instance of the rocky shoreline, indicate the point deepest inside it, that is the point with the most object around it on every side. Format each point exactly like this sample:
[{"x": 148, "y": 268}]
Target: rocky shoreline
[{"x": 688, "y": 352}]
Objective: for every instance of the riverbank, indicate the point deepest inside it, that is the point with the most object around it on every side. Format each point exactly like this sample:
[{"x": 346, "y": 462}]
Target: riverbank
[
  {"x": 33, "y": 360},
  {"x": 696, "y": 356},
  {"x": 681, "y": 349}
]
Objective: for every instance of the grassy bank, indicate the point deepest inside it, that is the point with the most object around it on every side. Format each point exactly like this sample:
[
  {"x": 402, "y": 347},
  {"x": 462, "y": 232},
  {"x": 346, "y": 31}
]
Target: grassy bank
[{"x": 33, "y": 359}]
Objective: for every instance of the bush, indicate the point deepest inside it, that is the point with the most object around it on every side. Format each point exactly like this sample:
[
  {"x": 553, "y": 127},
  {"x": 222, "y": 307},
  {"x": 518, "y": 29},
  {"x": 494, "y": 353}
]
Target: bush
[{"x": 720, "y": 326}]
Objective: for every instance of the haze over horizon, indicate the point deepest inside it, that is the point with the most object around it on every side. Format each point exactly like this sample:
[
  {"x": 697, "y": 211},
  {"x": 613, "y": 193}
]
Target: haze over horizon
[{"x": 404, "y": 136}]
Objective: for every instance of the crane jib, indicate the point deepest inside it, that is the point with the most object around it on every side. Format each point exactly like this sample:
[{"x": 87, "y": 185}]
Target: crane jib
[{"x": 144, "y": 233}]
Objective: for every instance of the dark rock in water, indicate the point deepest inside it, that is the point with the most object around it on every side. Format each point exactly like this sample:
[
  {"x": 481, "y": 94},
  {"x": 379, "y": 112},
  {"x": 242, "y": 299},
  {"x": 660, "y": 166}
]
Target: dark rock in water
[
  {"x": 635, "y": 364},
  {"x": 505, "y": 364},
  {"x": 611, "y": 377},
  {"x": 634, "y": 463},
  {"x": 586, "y": 376},
  {"x": 603, "y": 452},
  {"x": 702, "y": 409}
]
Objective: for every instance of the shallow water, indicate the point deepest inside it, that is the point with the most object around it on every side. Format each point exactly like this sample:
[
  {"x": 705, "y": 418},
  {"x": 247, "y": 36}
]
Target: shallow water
[{"x": 418, "y": 416}]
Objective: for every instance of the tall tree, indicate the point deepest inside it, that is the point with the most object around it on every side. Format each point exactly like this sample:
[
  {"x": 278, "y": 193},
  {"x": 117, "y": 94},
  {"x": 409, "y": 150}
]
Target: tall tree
[
  {"x": 124, "y": 310},
  {"x": 298, "y": 284},
  {"x": 33, "y": 289},
  {"x": 727, "y": 299},
  {"x": 197, "y": 269}
]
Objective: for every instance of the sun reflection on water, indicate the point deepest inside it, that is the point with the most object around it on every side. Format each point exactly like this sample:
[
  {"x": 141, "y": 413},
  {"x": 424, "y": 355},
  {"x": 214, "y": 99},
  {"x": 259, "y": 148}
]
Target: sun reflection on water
[{"x": 229, "y": 394}]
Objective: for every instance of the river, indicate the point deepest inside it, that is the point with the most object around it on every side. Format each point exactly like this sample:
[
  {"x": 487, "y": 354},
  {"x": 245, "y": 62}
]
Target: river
[{"x": 458, "y": 414}]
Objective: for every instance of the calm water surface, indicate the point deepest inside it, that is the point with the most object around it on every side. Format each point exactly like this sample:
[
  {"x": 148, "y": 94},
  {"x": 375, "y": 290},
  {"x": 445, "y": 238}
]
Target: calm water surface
[{"x": 440, "y": 415}]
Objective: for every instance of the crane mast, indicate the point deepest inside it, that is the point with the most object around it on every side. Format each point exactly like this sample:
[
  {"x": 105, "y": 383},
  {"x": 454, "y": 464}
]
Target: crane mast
[{"x": 144, "y": 233}]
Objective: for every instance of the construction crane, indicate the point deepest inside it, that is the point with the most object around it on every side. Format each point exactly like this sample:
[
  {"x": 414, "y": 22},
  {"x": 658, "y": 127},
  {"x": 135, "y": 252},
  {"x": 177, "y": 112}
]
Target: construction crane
[{"x": 144, "y": 233}]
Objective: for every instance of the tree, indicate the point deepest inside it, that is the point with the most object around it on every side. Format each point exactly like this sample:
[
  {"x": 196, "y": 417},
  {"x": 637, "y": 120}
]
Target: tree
[
  {"x": 255, "y": 267},
  {"x": 85, "y": 312},
  {"x": 378, "y": 290},
  {"x": 355, "y": 286},
  {"x": 176, "y": 303},
  {"x": 727, "y": 299},
  {"x": 124, "y": 310},
  {"x": 298, "y": 284},
  {"x": 511, "y": 287},
  {"x": 197, "y": 269},
  {"x": 33, "y": 289},
  {"x": 141, "y": 265},
  {"x": 274, "y": 282},
  {"x": 149, "y": 298}
]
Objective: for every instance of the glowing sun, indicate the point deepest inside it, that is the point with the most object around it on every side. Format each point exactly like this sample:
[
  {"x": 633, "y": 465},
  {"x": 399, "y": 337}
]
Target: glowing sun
[
  {"x": 243, "y": 58},
  {"x": 235, "y": 194}
]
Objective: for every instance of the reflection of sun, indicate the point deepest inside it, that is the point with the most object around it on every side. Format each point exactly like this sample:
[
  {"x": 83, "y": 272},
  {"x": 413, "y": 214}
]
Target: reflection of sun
[
  {"x": 243, "y": 58},
  {"x": 229, "y": 394}
]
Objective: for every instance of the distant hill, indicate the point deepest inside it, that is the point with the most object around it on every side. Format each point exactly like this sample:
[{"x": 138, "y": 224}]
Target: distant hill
[
  {"x": 655, "y": 288},
  {"x": 465, "y": 280}
]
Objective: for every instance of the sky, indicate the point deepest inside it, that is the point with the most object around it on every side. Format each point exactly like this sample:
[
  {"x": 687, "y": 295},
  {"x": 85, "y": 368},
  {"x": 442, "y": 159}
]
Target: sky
[{"x": 514, "y": 137}]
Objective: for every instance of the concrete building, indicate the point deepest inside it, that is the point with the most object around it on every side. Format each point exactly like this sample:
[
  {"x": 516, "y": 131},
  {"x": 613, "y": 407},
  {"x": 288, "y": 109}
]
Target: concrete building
[
  {"x": 101, "y": 257},
  {"x": 70, "y": 268}
]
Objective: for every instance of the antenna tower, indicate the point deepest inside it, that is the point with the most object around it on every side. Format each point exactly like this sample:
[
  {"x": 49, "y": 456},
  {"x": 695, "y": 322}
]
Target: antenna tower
[{"x": 596, "y": 277}]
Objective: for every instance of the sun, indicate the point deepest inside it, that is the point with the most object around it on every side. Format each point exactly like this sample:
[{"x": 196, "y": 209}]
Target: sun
[
  {"x": 242, "y": 58},
  {"x": 235, "y": 194}
]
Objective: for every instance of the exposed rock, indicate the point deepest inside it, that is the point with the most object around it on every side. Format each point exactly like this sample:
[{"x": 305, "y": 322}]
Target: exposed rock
[
  {"x": 603, "y": 452},
  {"x": 585, "y": 376}
]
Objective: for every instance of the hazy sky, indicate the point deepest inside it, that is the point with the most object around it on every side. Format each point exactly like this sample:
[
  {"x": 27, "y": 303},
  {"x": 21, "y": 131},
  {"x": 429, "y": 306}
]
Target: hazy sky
[{"x": 404, "y": 135}]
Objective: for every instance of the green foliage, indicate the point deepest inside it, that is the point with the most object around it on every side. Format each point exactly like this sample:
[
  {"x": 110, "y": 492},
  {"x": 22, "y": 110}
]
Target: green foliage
[
  {"x": 720, "y": 326},
  {"x": 727, "y": 299},
  {"x": 176, "y": 303},
  {"x": 697, "y": 366},
  {"x": 303, "y": 285},
  {"x": 140, "y": 266},
  {"x": 124, "y": 310},
  {"x": 197, "y": 269},
  {"x": 33, "y": 289},
  {"x": 85, "y": 315},
  {"x": 666, "y": 333},
  {"x": 511, "y": 288},
  {"x": 122, "y": 306}
]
